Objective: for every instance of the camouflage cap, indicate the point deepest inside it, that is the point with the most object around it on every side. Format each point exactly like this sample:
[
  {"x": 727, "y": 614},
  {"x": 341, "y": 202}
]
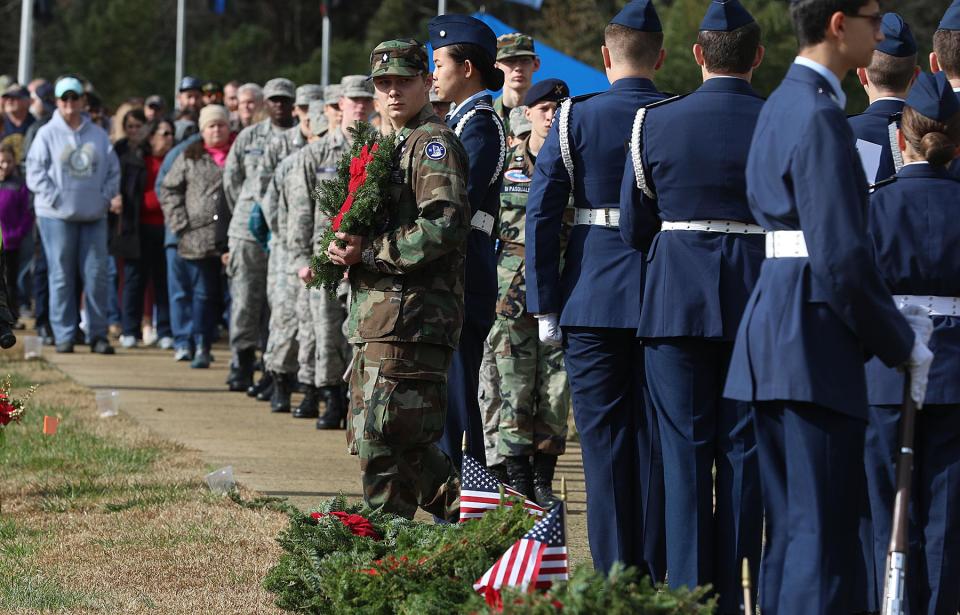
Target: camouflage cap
[
  {"x": 332, "y": 94},
  {"x": 279, "y": 87},
  {"x": 357, "y": 86},
  {"x": 308, "y": 93},
  {"x": 317, "y": 118},
  {"x": 434, "y": 97},
  {"x": 519, "y": 124},
  {"x": 514, "y": 45},
  {"x": 402, "y": 57}
]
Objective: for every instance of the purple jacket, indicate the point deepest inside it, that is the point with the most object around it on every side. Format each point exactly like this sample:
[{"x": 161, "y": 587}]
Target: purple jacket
[{"x": 16, "y": 217}]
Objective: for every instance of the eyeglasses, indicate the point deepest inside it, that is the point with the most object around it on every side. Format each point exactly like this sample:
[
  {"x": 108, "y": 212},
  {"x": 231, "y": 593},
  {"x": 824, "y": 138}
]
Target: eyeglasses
[
  {"x": 876, "y": 20},
  {"x": 69, "y": 96}
]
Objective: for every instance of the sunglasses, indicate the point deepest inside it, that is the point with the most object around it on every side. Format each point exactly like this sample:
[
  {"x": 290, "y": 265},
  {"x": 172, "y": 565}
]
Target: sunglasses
[{"x": 69, "y": 96}]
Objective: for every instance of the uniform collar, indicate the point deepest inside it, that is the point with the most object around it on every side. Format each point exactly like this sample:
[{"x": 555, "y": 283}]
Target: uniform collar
[
  {"x": 638, "y": 83},
  {"x": 723, "y": 83},
  {"x": 838, "y": 95},
  {"x": 416, "y": 121},
  {"x": 885, "y": 106},
  {"x": 923, "y": 169},
  {"x": 468, "y": 104}
]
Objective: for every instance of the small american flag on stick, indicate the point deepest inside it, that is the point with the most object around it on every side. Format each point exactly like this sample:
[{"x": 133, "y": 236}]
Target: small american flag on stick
[
  {"x": 480, "y": 492},
  {"x": 537, "y": 560}
]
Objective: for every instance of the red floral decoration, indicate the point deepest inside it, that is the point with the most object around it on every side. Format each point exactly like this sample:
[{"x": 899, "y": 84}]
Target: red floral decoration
[
  {"x": 358, "y": 177},
  {"x": 358, "y": 525}
]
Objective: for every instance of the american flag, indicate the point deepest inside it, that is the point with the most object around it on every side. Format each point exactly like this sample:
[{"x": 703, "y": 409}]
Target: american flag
[
  {"x": 480, "y": 492},
  {"x": 538, "y": 559}
]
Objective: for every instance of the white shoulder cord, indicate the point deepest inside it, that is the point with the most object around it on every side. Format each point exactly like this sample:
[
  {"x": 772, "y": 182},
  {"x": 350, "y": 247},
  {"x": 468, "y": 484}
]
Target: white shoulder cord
[
  {"x": 636, "y": 143},
  {"x": 503, "y": 141},
  {"x": 895, "y": 146},
  {"x": 564, "y": 133}
]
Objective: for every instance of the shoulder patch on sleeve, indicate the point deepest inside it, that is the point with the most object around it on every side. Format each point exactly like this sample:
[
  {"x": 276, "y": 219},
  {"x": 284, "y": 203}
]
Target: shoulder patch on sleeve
[{"x": 435, "y": 150}]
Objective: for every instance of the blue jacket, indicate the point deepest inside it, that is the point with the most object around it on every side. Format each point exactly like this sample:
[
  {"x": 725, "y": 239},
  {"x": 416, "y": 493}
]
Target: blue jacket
[
  {"x": 873, "y": 125},
  {"x": 602, "y": 277},
  {"x": 811, "y": 322},
  {"x": 697, "y": 283},
  {"x": 916, "y": 239},
  {"x": 485, "y": 143}
]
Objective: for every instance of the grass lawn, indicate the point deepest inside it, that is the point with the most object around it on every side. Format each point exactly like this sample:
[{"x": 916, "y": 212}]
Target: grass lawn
[{"x": 105, "y": 517}]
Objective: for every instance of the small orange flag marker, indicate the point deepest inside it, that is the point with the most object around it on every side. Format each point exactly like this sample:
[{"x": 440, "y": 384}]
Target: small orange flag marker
[{"x": 50, "y": 424}]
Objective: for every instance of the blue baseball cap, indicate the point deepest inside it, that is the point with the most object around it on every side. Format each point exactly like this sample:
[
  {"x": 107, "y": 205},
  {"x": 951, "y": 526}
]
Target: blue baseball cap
[
  {"x": 725, "y": 16},
  {"x": 897, "y": 40},
  {"x": 549, "y": 89},
  {"x": 951, "y": 19},
  {"x": 68, "y": 84},
  {"x": 639, "y": 15},
  {"x": 190, "y": 83},
  {"x": 933, "y": 96}
]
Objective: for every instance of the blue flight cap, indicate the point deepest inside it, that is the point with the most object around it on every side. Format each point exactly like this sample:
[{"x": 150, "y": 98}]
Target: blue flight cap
[
  {"x": 453, "y": 29},
  {"x": 549, "y": 89},
  {"x": 951, "y": 19},
  {"x": 897, "y": 40},
  {"x": 725, "y": 16},
  {"x": 640, "y": 15},
  {"x": 933, "y": 96}
]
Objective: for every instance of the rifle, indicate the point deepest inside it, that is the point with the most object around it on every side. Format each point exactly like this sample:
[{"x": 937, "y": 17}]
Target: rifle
[{"x": 896, "y": 570}]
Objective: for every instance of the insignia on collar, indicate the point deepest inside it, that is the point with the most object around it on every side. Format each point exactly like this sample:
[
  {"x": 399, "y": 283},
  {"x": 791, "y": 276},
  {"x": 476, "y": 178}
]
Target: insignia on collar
[{"x": 435, "y": 151}]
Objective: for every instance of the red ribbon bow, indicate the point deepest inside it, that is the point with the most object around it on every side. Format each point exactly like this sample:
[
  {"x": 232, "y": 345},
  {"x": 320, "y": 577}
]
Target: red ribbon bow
[
  {"x": 358, "y": 176},
  {"x": 358, "y": 525}
]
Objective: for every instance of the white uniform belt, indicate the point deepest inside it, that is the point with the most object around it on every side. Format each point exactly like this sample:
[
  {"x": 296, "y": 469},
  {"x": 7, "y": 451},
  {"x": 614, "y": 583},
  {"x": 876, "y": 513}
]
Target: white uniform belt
[
  {"x": 714, "y": 226},
  {"x": 786, "y": 244},
  {"x": 482, "y": 221},
  {"x": 935, "y": 306},
  {"x": 604, "y": 216}
]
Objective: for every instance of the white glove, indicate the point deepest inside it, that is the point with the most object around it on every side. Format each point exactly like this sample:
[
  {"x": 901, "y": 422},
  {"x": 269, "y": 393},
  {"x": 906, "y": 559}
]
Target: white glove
[
  {"x": 919, "y": 320},
  {"x": 918, "y": 368},
  {"x": 550, "y": 329}
]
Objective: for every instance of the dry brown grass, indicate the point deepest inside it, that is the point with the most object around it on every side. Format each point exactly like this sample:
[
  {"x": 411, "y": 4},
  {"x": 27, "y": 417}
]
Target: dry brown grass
[{"x": 105, "y": 517}]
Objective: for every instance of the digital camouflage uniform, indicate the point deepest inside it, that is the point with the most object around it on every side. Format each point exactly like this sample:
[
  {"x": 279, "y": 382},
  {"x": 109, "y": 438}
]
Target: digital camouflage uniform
[
  {"x": 407, "y": 311},
  {"x": 535, "y": 397},
  {"x": 247, "y": 267},
  {"x": 324, "y": 352}
]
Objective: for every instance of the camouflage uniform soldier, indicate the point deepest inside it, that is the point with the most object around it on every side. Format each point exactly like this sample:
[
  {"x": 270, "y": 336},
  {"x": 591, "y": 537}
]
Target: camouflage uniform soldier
[
  {"x": 535, "y": 398},
  {"x": 247, "y": 267},
  {"x": 406, "y": 312},
  {"x": 518, "y": 60},
  {"x": 281, "y": 369},
  {"x": 322, "y": 313}
]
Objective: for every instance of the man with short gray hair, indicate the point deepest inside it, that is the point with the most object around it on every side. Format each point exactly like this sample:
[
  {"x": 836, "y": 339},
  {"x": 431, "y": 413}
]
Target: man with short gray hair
[{"x": 249, "y": 103}]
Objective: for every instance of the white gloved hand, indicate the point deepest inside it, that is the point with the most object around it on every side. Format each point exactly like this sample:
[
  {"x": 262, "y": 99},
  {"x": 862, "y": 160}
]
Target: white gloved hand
[
  {"x": 919, "y": 320},
  {"x": 549, "y": 325},
  {"x": 918, "y": 368}
]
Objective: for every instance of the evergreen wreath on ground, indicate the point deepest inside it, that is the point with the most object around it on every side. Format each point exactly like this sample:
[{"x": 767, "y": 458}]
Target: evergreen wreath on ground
[
  {"x": 344, "y": 559},
  {"x": 353, "y": 201}
]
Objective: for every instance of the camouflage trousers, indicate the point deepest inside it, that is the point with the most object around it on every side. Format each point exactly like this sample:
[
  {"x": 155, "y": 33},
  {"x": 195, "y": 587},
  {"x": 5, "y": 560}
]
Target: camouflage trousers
[
  {"x": 489, "y": 398},
  {"x": 534, "y": 394},
  {"x": 306, "y": 338},
  {"x": 331, "y": 351},
  {"x": 398, "y": 404},
  {"x": 247, "y": 269},
  {"x": 282, "y": 286}
]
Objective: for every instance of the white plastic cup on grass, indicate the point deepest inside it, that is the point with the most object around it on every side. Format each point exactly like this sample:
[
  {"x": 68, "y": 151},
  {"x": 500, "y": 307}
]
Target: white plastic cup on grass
[
  {"x": 108, "y": 403},
  {"x": 32, "y": 347},
  {"x": 221, "y": 481}
]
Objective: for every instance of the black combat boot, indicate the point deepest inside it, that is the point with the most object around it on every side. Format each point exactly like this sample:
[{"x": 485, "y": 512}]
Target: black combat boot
[
  {"x": 499, "y": 472},
  {"x": 309, "y": 407},
  {"x": 7, "y": 338},
  {"x": 241, "y": 373},
  {"x": 335, "y": 414},
  {"x": 280, "y": 399},
  {"x": 543, "y": 468},
  {"x": 520, "y": 474},
  {"x": 261, "y": 386},
  {"x": 267, "y": 393}
]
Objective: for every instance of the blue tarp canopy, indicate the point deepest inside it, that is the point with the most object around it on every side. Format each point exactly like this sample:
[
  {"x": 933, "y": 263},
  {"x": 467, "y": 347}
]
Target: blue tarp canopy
[{"x": 581, "y": 79}]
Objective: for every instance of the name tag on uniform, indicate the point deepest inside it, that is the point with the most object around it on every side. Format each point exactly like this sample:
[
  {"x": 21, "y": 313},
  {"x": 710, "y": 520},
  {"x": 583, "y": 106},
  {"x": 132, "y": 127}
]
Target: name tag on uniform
[
  {"x": 326, "y": 171},
  {"x": 253, "y": 151},
  {"x": 516, "y": 188}
]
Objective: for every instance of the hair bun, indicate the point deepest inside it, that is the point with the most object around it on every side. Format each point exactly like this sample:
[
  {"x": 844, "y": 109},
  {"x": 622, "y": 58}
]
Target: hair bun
[{"x": 937, "y": 148}]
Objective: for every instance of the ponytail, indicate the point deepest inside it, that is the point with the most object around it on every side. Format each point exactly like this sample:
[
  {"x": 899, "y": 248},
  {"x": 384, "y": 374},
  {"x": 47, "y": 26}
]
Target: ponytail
[{"x": 936, "y": 142}]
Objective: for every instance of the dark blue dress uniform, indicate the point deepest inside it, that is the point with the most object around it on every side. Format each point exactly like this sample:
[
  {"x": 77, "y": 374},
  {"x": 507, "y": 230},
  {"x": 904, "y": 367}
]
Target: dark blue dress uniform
[
  {"x": 874, "y": 124},
  {"x": 917, "y": 249},
  {"x": 697, "y": 285},
  {"x": 482, "y": 134},
  {"x": 951, "y": 21},
  {"x": 801, "y": 344},
  {"x": 598, "y": 299}
]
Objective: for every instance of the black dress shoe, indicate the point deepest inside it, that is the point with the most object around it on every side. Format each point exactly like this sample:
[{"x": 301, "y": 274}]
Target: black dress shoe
[
  {"x": 267, "y": 392},
  {"x": 280, "y": 399}
]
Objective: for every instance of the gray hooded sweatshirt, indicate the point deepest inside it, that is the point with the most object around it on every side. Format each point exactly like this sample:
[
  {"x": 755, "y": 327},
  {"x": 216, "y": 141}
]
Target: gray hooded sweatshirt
[{"x": 73, "y": 174}]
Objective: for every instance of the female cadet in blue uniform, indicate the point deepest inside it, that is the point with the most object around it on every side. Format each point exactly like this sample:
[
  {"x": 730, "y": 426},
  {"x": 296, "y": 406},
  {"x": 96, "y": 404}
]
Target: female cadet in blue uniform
[
  {"x": 887, "y": 81},
  {"x": 917, "y": 249},
  {"x": 818, "y": 307},
  {"x": 711, "y": 242},
  {"x": 464, "y": 51},
  {"x": 597, "y": 298}
]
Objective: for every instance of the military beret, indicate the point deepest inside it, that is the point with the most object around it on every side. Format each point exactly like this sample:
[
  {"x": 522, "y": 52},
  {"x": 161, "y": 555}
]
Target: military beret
[
  {"x": 897, "y": 40},
  {"x": 514, "y": 45},
  {"x": 279, "y": 86},
  {"x": 951, "y": 19},
  {"x": 549, "y": 89},
  {"x": 356, "y": 86},
  {"x": 933, "y": 96},
  {"x": 401, "y": 57},
  {"x": 639, "y": 15},
  {"x": 308, "y": 93},
  {"x": 453, "y": 29},
  {"x": 725, "y": 16}
]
